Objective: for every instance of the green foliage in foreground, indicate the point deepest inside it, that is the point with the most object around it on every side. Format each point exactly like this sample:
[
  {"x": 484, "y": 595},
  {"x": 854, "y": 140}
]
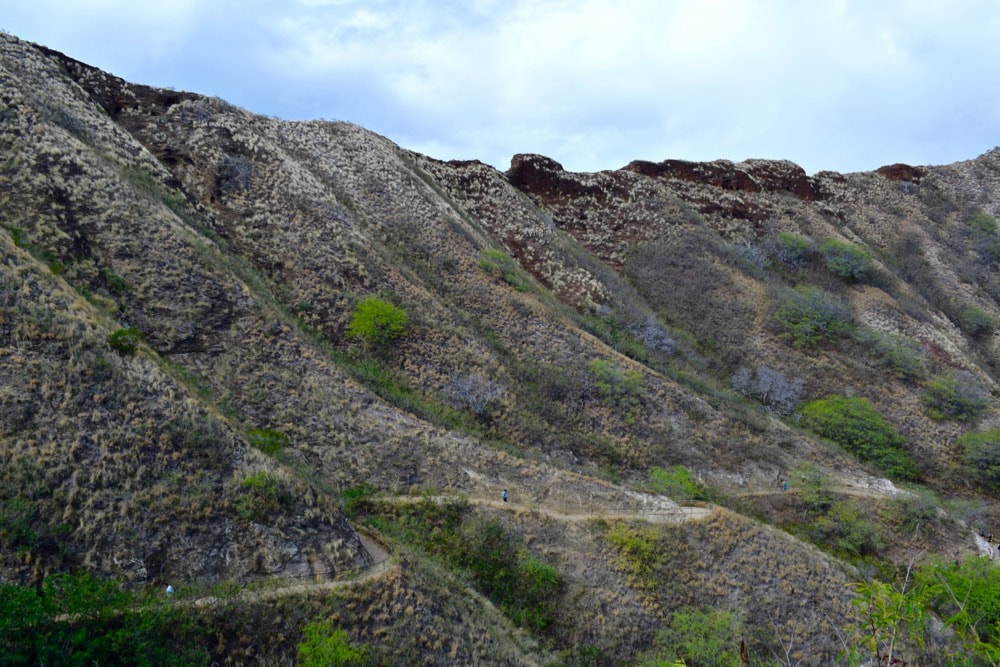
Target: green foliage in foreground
[
  {"x": 376, "y": 323},
  {"x": 80, "y": 620},
  {"x": 854, "y": 424}
]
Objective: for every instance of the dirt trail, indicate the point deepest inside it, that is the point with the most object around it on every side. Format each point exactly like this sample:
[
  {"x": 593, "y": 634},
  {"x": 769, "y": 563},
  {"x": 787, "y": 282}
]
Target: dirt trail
[
  {"x": 662, "y": 514},
  {"x": 382, "y": 563}
]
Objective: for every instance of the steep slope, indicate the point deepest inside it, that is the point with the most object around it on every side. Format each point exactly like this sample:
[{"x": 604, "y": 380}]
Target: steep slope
[{"x": 568, "y": 335}]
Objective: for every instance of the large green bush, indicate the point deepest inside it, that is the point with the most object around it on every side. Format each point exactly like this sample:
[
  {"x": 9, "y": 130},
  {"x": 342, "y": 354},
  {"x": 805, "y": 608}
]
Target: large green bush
[
  {"x": 854, "y": 424},
  {"x": 376, "y": 322},
  {"x": 809, "y": 316}
]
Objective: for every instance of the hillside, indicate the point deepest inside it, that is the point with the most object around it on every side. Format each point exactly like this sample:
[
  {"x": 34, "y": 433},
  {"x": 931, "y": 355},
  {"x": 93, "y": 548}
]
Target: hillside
[{"x": 187, "y": 394}]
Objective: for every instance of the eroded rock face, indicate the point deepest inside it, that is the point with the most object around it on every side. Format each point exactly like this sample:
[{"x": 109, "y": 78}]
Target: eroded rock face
[{"x": 902, "y": 172}]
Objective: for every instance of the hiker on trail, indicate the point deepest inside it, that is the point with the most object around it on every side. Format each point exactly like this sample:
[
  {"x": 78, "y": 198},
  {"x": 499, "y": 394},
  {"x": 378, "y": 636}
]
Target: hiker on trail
[
  {"x": 784, "y": 485},
  {"x": 504, "y": 496}
]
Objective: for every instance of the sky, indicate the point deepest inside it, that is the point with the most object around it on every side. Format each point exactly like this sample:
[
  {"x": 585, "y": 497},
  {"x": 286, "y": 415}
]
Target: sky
[{"x": 843, "y": 85}]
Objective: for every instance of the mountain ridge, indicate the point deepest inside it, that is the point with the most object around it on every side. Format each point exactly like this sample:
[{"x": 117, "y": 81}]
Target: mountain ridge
[{"x": 605, "y": 316}]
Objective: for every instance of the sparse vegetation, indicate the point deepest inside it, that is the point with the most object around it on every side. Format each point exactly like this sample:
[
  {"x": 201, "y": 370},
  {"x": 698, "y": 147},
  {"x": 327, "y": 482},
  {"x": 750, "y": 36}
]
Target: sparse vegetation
[
  {"x": 263, "y": 497},
  {"x": 499, "y": 263}
]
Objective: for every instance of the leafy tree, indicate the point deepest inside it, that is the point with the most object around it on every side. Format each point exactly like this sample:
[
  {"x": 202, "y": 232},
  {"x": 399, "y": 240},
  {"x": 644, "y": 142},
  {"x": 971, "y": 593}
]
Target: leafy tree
[
  {"x": 892, "y": 622},
  {"x": 810, "y": 316},
  {"x": 846, "y": 259},
  {"x": 961, "y": 397},
  {"x": 967, "y": 597},
  {"x": 376, "y": 323},
  {"x": 854, "y": 424}
]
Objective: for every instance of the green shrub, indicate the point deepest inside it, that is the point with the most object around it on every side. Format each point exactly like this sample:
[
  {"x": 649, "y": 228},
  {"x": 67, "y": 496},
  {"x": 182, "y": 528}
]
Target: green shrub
[
  {"x": 792, "y": 250},
  {"x": 854, "y": 424},
  {"x": 982, "y": 453},
  {"x": 975, "y": 321},
  {"x": 621, "y": 388},
  {"x": 501, "y": 264},
  {"x": 268, "y": 441},
  {"x": 844, "y": 527},
  {"x": 902, "y": 356},
  {"x": 961, "y": 397},
  {"x": 116, "y": 284},
  {"x": 984, "y": 224},
  {"x": 125, "y": 341},
  {"x": 325, "y": 646},
  {"x": 676, "y": 482},
  {"x": 376, "y": 322},
  {"x": 846, "y": 259},
  {"x": 262, "y": 496},
  {"x": 809, "y": 316},
  {"x": 702, "y": 637},
  {"x": 638, "y": 554}
]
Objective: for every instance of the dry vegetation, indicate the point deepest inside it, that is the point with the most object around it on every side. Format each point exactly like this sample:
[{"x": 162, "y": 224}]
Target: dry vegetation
[{"x": 565, "y": 334}]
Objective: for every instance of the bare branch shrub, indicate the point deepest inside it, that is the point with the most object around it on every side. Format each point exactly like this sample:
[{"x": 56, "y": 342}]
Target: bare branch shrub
[
  {"x": 475, "y": 394},
  {"x": 778, "y": 394}
]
